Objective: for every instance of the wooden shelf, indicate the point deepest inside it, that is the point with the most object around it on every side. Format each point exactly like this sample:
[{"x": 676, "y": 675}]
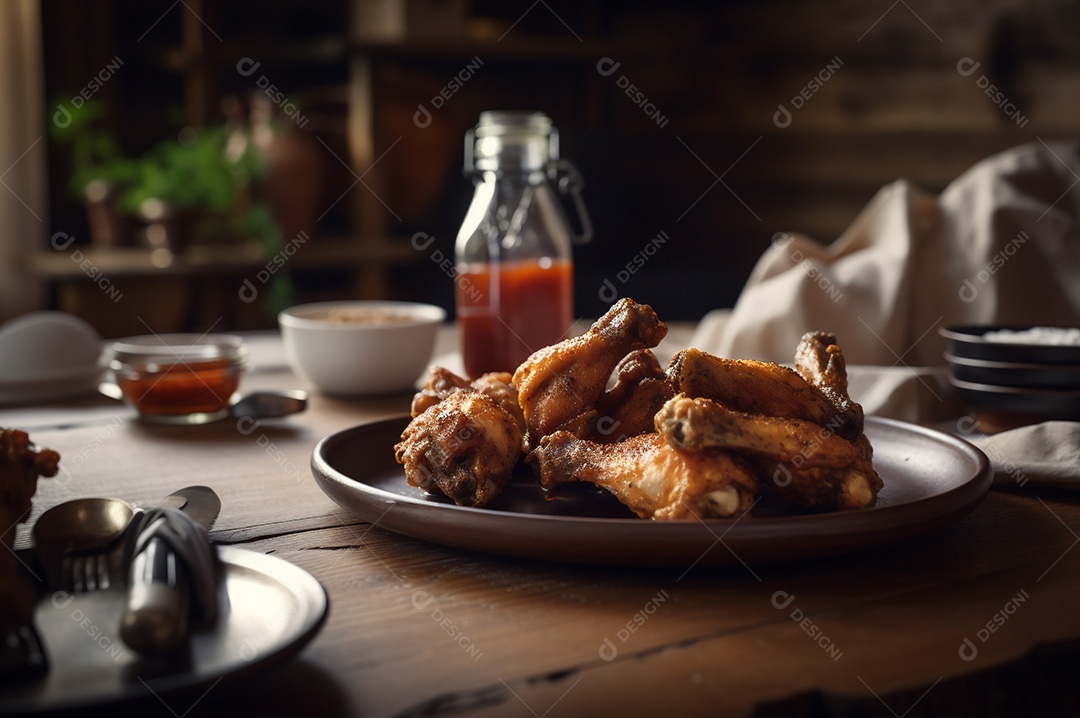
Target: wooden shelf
[
  {"x": 315, "y": 51},
  {"x": 512, "y": 47},
  {"x": 206, "y": 260},
  {"x": 335, "y": 48}
]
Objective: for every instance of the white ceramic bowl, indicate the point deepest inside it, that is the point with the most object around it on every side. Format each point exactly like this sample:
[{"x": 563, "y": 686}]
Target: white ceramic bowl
[
  {"x": 360, "y": 357},
  {"x": 46, "y": 356}
]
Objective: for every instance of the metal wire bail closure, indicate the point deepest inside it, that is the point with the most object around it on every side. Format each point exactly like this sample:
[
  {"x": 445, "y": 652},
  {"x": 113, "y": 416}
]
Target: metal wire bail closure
[{"x": 569, "y": 182}]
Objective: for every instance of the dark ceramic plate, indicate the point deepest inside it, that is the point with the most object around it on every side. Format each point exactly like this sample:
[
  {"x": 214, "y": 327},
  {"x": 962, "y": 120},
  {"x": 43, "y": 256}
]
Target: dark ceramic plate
[
  {"x": 931, "y": 479},
  {"x": 999, "y": 373},
  {"x": 968, "y": 342},
  {"x": 1037, "y": 403},
  {"x": 272, "y": 610}
]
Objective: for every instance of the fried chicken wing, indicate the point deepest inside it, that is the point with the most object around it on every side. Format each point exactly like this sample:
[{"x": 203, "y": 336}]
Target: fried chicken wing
[
  {"x": 628, "y": 408},
  {"x": 559, "y": 383},
  {"x": 756, "y": 388},
  {"x": 498, "y": 386},
  {"x": 652, "y": 478},
  {"x": 820, "y": 361},
  {"x": 20, "y": 466},
  {"x": 699, "y": 424},
  {"x": 810, "y": 467},
  {"x": 465, "y": 447},
  {"x": 442, "y": 383},
  {"x": 854, "y": 486}
]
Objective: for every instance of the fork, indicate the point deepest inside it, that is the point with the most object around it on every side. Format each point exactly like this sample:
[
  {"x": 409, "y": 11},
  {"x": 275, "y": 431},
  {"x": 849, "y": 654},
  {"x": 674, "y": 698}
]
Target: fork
[{"x": 84, "y": 572}]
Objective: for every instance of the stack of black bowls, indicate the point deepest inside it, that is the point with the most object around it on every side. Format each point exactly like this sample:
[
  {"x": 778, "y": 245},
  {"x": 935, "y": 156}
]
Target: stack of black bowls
[{"x": 1030, "y": 372}]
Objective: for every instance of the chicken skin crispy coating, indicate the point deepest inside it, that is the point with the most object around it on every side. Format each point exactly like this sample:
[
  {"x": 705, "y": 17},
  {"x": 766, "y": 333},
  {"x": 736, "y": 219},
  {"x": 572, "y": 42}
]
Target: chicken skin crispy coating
[
  {"x": 442, "y": 383},
  {"x": 629, "y": 407},
  {"x": 758, "y": 387},
  {"x": 699, "y": 424},
  {"x": 557, "y": 385},
  {"x": 821, "y": 488},
  {"x": 464, "y": 447},
  {"x": 820, "y": 361},
  {"x": 648, "y": 475},
  {"x": 20, "y": 466}
]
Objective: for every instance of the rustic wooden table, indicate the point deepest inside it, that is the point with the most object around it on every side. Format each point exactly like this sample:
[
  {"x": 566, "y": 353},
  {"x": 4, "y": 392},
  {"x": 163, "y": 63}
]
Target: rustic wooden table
[{"x": 950, "y": 623}]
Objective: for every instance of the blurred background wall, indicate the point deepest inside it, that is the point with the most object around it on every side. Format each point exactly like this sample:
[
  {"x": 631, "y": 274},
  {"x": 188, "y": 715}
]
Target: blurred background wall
[
  {"x": 717, "y": 124},
  {"x": 22, "y": 154}
]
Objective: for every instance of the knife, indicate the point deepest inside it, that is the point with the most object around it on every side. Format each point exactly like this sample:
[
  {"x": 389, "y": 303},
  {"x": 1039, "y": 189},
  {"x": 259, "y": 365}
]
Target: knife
[{"x": 157, "y": 611}]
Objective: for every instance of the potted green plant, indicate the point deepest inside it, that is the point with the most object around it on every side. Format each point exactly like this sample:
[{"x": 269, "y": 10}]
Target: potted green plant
[
  {"x": 101, "y": 173},
  {"x": 198, "y": 188},
  {"x": 179, "y": 184}
]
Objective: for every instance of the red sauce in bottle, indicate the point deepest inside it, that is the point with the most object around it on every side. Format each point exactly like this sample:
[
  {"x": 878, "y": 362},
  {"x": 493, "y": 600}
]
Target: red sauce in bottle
[{"x": 508, "y": 310}]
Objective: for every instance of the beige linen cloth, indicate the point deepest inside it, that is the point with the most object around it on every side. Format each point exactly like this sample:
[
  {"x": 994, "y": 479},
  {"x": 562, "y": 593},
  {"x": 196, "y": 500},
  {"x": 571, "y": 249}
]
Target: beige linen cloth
[{"x": 1001, "y": 244}]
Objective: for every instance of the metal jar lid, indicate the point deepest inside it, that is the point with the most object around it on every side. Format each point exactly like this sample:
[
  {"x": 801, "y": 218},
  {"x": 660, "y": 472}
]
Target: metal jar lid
[{"x": 511, "y": 140}]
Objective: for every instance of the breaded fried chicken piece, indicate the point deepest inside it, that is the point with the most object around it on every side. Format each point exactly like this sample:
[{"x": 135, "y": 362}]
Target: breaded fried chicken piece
[
  {"x": 498, "y": 386},
  {"x": 442, "y": 383},
  {"x": 557, "y": 385},
  {"x": 757, "y": 388},
  {"x": 652, "y": 478},
  {"x": 464, "y": 447},
  {"x": 699, "y": 424},
  {"x": 820, "y": 361},
  {"x": 20, "y": 467},
  {"x": 854, "y": 486},
  {"x": 810, "y": 467},
  {"x": 628, "y": 408}
]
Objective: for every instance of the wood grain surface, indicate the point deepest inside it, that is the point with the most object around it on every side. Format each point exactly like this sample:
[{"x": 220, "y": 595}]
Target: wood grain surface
[{"x": 418, "y": 629}]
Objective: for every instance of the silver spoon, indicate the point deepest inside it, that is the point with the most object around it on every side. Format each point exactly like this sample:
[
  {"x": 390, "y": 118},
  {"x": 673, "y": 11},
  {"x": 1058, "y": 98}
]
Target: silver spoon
[
  {"x": 80, "y": 529},
  {"x": 269, "y": 404}
]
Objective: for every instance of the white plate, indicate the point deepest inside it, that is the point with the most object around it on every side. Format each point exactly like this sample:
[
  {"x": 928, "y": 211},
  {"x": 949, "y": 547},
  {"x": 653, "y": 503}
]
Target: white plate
[{"x": 270, "y": 610}]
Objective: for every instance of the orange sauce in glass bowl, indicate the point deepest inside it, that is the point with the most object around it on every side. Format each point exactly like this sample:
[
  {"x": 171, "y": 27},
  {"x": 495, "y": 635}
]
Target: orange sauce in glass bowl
[{"x": 179, "y": 379}]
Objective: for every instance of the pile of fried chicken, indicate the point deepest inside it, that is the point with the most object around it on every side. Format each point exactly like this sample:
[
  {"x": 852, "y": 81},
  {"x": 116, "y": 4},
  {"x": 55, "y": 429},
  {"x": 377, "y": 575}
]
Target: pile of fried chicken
[
  {"x": 20, "y": 466},
  {"x": 707, "y": 437}
]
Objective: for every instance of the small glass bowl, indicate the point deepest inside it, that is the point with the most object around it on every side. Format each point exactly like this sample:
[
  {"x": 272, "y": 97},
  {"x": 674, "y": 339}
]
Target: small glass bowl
[{"x": 179, "y": 378}]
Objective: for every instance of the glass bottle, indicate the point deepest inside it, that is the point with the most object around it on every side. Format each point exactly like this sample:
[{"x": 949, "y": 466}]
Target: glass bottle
[{"x": 513, "y": 257}]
